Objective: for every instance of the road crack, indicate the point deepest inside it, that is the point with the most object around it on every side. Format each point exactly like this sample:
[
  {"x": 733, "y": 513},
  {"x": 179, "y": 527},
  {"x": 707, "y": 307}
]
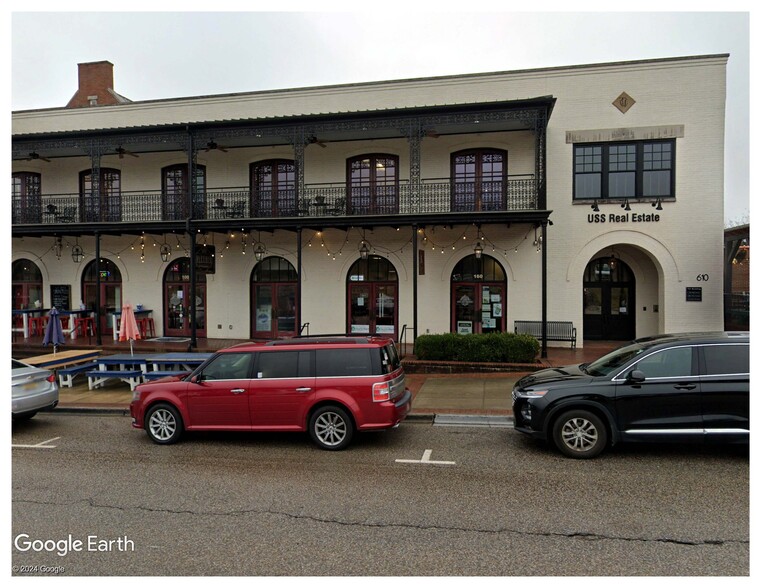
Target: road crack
[{"x": 581, "y": 535}]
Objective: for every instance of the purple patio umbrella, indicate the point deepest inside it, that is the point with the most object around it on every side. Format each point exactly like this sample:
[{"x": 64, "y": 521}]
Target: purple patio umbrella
[{"x": 53, "y": 331}]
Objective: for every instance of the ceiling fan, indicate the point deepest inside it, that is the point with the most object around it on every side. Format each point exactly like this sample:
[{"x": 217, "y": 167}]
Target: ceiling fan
[
  {"x": 35, "y": 155},
  {"x": 314, "y": 140},
  {"x": 122, "y": 152},
  {"x": 211, "y": 145}
]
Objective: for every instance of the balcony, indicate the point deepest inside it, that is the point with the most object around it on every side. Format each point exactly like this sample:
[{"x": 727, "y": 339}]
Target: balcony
[{"x": 518, "y": 193}]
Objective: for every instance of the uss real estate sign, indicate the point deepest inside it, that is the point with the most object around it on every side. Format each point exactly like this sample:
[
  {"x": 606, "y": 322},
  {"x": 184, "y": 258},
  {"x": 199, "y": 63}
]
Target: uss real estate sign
[{"x": 627, "y": 217}]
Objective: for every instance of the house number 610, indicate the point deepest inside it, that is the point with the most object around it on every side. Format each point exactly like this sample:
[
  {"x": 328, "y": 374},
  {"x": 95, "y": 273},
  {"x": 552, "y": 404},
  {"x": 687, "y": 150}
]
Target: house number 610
[{"x": 702, "y": 277}]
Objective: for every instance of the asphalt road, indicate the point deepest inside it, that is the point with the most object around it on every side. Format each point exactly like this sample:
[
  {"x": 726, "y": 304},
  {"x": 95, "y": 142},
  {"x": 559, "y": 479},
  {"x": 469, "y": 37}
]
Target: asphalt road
[{"x": 270, "y": 505}]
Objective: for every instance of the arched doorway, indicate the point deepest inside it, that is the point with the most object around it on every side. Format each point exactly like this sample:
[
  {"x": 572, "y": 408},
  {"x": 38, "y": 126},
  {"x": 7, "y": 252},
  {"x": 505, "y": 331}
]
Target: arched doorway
[
  {"x": 479, "y": 296},
  {"x": 110, "y": 285},
  {"x": 177, "y": 320},
  {"x": 26, "y": 283},
  {"x": 274, "y": 284},
  {"x": 372, "y": 287},
  {"x": 609, "y": 288}
]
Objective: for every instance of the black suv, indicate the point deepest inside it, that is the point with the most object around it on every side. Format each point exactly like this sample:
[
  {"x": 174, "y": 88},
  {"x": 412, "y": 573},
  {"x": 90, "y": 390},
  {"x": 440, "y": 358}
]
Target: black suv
[{"x": 683, "y": 387}]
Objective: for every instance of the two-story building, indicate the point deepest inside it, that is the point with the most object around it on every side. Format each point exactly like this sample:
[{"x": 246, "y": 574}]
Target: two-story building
[{"x": 591, "y": 194}]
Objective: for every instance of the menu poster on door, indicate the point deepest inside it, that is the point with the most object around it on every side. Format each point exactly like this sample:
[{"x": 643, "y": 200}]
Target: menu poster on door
[{"x": 264, "y": 318}]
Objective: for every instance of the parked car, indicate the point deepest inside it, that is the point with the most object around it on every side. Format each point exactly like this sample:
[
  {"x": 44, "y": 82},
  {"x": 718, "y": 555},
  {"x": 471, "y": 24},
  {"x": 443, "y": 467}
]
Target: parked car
[
  {"x": 328, "y": 386},
  {"x": 683, "y": 387},
  {"x": 33, "y": 389}
]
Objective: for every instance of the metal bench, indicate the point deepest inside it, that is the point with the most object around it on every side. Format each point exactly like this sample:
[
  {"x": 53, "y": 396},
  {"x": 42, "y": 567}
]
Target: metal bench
[
  {"x": 556, "y": 330},
  {"x": 66, "y": 375},
  {"x": 97, "y": 378}
]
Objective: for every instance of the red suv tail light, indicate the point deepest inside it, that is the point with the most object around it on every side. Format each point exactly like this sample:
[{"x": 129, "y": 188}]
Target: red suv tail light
[{"x": 381, "y": 391}]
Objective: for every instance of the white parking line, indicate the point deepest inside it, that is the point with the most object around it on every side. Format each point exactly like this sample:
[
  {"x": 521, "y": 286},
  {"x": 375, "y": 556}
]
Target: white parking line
[
  {"x": 426, "y": 459},
  {"x": 41, "y": 445}
]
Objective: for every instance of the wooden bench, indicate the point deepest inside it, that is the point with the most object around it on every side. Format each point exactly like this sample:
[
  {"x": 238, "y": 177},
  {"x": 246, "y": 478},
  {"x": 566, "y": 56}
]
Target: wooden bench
[
  {"x": 66, "y": 375},
  {"x": 97, "y": 378},
  {"x": 556, "y": 330},
  {"x": 155, "y": 375}
]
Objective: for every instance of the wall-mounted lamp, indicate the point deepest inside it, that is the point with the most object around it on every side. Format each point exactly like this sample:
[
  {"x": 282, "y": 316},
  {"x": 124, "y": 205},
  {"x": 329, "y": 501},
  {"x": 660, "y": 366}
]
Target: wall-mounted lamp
[
  {"x": 657, "y": 204},
  {"x": 625, "y": 205},
  {"x": 259, "y": 250},
  {"x": 595, "y": 207}
]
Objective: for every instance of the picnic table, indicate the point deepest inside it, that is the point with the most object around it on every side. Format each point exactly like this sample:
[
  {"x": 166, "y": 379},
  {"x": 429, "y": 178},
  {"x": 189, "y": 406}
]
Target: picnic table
[
  {"x": 136, "y": 368},
  {"x": 64, "y": 358}
]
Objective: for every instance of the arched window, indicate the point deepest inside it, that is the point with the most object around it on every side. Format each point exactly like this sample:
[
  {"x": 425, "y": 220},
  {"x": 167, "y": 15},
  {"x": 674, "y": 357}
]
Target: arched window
[
  {"x": 478, "y": 295},
  {"x": 273, "y": 188},
  {"x": 274, "y": 303},
  {"x": 105, "y": 204},
  {"x": 479, "y": 180},
  {"x": 373, "y": 184},
  {"x": 26, "y": 283},
  {"x": 372, "y": 291}
]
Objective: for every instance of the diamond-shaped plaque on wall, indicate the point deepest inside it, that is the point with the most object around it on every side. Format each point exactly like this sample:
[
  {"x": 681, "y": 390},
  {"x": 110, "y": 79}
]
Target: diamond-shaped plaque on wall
[{"x": 624, "y": 102}]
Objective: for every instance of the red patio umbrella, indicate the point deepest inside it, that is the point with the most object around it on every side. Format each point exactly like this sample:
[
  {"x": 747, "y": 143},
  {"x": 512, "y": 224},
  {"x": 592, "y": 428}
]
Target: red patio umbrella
[{"x": 128, "y": 328}]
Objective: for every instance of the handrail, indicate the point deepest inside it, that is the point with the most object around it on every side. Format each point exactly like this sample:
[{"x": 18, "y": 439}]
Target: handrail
[{"x": 403, "y": 339}]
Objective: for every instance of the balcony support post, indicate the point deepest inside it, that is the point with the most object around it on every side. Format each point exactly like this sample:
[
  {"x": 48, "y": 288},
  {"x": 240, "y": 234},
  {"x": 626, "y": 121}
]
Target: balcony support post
[
  {"x": 414, "y": 137},
  {"x": 98, "y": 310},
  {"x": 299, "y": 146},
  {"x": 414, "y": 284},
  {"x": 299, "y": 262},
  {"x": 544, "y": 289}
]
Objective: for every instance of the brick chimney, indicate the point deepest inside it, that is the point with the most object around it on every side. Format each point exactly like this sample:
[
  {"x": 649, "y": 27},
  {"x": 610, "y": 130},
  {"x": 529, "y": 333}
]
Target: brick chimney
[{"x": 96, "y": 86}]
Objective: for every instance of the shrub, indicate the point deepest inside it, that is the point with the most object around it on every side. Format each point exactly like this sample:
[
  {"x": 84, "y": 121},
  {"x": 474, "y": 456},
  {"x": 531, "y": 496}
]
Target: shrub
[{"x": 490, "y": 347}]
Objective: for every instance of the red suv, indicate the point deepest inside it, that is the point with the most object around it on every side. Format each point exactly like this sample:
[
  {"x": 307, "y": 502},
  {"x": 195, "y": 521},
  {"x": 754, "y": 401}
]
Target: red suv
[{"x": 331, "y": 387}]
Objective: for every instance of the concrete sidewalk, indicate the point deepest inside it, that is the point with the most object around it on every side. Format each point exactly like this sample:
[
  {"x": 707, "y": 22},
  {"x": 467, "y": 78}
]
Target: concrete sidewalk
[
  {"x": 486, "y": 394},
  {"x": 467, "y": 394}
]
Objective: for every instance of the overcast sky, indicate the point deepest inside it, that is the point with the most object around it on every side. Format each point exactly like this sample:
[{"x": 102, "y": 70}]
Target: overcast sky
[{"x": 170, "y": 54}]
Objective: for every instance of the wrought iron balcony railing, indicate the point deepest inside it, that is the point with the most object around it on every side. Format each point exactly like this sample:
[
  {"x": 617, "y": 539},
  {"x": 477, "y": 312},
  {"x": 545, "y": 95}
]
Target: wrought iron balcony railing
[{"x": 317, "y": 200}]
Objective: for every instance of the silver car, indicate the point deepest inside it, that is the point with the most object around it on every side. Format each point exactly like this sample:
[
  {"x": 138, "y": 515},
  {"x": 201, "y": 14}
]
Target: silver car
[{"x": 34, "y": 389}]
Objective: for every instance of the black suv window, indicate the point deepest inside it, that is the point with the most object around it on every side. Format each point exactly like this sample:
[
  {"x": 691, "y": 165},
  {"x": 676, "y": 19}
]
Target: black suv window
[
  {"x": 726, "y": 359},
  {"x": 283, "y": 364},
  {"x": 346, "y": 362},
  {"x": 667, "y": 363},
  {"x": 228, "y": 366}
]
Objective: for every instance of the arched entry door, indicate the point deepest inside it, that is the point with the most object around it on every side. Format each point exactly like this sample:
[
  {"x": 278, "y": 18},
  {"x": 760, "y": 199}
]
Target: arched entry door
[
  {"x": 273, "y": 299},
  {"x": 110, "y": 285},
  {"x": 177, "y": 319},
  {"x": 609, "y": 288},
  {"x": 479, "y": 296},
  {"x": 371, "y": 290}
]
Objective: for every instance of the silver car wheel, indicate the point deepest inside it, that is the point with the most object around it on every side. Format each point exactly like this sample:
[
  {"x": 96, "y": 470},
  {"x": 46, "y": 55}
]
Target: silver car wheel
[
  {"x": 162, "y": 424},
  {"x": 579, "y": 434},
  {"x": 330, "y": 428}
]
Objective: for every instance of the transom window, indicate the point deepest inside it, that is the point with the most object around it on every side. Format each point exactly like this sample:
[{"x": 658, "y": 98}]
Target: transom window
[{"x": 624, "y": 170}]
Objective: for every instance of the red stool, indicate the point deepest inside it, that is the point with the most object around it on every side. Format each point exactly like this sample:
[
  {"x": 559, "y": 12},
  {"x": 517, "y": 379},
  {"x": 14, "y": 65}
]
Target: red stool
[
  {"x": 84, "y": 325},
  {"x": 147, "y": 327},
  {"x": 37, "y": 325},
  {"x": 64, "y": 322}
]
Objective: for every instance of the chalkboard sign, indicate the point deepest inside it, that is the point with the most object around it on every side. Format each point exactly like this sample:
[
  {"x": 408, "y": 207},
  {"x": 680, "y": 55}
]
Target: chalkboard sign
[
  {"x": 60, "y": 296},
  {"x": 694, "y": 294}
]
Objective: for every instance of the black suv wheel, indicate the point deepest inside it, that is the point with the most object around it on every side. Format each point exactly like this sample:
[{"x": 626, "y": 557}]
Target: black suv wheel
[{"x": 580, "y": 434}]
